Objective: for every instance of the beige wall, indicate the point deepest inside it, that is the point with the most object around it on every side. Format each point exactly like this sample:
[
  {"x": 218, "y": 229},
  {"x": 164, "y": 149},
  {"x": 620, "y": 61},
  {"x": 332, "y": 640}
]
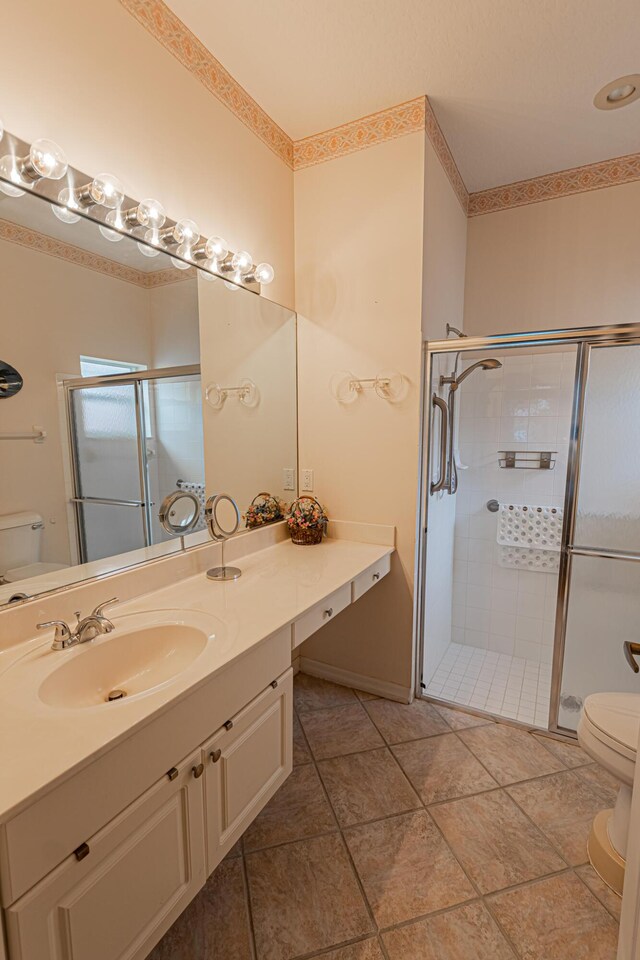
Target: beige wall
[
  {"x": 445, "y": 243},
  {"x": 359, "y": 222},
  {"x": 562, "y": 263},
  {"x": 90, "y": 77}
]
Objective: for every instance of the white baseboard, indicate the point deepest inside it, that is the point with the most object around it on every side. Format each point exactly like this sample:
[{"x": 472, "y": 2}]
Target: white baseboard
[
  {"x": 380, "y": 688},
  {"x": 295, "y": 665}
]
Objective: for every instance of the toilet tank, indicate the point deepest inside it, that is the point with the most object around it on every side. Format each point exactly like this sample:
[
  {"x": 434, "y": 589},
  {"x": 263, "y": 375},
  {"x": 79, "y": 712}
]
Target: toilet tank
[{"x": 20, "y": 539}]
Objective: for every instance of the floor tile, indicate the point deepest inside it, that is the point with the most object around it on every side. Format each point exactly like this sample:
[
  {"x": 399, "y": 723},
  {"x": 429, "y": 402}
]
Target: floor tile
[
  {"x": 304, "y": 898},
  {"x": 367, "y": 786},
  {"x": 363, "y": 695},
  {"x": 459, "y": 720},
  {"x": 442, "y": 768},
  {"x": 216, "y": 922},
  {"x": 601, "y": 781},
  {"x": 510, "y": 754},
  {"x": 563, "y": 806},
  {"x": 313, "y": 693},
  {"x": 340, "y": 730},
  {"x": 298, "y": 810},
  {"x": 406, "y": 868},
  {"x": 363, "y": 950},
  {"x": 402, "y": 721},
  {"x": 466, "y": 933},
  {"x": 494, "y": 841},
  {"x": 301, "y": 752},
  {"x": 598, "y": 887},
  {"x": 556, "y": 919},
  {"x": 568, "y": 753}
]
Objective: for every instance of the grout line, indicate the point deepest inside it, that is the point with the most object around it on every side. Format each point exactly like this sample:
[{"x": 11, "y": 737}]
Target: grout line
[{"x": 247, "y": 903}]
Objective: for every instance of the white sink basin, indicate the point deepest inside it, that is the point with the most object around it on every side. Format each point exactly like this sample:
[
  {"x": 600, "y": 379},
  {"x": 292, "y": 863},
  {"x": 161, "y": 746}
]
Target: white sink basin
[{"x": 128, "y": 661}]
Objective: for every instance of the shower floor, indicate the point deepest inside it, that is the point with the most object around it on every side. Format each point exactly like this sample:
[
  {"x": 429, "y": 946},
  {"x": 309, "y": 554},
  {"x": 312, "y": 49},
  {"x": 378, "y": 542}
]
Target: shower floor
[{"x": 496, "y": 682}]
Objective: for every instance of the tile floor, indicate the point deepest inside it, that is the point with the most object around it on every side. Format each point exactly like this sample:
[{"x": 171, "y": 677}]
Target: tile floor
[
  {"x": 411, "y": 833},
  {"x": 504, "y": 685}
]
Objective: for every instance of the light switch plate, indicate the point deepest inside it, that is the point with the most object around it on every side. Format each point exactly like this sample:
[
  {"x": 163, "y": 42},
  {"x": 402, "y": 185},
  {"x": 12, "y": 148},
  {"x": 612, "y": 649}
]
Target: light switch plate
[
  {"x": 307, "y": 480},
  {"x": 288, "y": 478}
]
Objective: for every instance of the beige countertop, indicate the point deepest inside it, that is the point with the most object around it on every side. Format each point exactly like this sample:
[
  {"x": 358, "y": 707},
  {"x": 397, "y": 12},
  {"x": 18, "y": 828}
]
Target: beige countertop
[{"x": 40, "y": 744}]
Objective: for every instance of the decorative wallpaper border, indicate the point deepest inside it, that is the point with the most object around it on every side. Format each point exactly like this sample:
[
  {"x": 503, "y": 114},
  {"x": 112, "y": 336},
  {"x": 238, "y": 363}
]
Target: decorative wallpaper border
[
  {"x": 565, "y": 183},
  {"x": 359, "y": 134},
  {"x": 163, "y": 24},
  {"x": 25, "y": 237}
]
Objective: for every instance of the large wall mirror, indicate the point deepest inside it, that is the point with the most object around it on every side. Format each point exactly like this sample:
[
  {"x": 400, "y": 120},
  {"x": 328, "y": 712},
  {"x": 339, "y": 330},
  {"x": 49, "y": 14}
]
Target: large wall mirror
[{"x": 141, "y": 376}]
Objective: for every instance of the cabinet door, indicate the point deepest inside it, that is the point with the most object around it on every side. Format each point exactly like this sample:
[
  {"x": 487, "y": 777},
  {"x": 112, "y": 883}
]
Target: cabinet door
[
  {"x": 116, "y": 902},
  {"x": 245, "y": 762}
]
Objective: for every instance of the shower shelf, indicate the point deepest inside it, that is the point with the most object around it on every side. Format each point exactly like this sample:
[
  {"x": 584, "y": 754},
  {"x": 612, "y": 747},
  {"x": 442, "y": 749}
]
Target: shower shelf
[{"x": 527, "y": 459}]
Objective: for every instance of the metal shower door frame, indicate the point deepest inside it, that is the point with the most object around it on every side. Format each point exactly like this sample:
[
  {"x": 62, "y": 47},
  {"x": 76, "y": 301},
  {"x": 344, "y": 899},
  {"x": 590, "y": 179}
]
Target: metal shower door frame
[
  {"x": 585, "y": 338},
  {"x": 124, "y": 379}
]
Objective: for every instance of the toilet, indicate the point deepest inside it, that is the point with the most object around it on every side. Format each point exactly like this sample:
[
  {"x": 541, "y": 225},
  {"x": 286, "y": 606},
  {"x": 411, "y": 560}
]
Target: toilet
[
  {"x": 20, "y": 545},
  {"x": 608, "y": 731}
]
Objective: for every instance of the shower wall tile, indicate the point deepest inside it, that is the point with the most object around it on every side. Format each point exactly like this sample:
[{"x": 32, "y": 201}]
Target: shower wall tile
[{"x": 524, "y": 406}]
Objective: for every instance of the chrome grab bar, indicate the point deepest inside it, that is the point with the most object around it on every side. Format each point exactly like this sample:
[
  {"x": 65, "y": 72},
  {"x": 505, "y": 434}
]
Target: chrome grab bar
[{"x": 439, "y": 403}]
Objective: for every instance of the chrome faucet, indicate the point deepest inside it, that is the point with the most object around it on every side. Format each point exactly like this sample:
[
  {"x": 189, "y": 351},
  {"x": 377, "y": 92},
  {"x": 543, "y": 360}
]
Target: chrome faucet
[{"x": 86, "y": 629}]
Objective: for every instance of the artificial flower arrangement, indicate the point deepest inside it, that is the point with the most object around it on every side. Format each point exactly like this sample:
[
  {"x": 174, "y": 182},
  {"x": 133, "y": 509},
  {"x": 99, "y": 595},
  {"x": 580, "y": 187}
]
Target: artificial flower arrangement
[
  {"x": 307, "y": 520},
  {"x": 264, "y": 508}
]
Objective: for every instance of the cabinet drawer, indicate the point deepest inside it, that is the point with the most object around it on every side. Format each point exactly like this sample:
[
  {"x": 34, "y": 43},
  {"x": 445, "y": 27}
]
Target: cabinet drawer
[
  {"x": 370, "y": 577},
  {"x": 315, "y": 618},
  {"x": 246, "y": 764},
  {"x": 138, "y": 875}
]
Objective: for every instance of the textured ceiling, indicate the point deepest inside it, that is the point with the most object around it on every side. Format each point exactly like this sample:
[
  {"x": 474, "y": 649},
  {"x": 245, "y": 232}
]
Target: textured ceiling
[{"x": 512, "y": 82}]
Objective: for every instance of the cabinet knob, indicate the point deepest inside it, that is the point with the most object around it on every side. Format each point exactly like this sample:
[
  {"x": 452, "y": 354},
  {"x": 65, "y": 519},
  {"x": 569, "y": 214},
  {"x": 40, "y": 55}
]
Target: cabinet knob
[
  {"x": 173, "y": 773},
  {"x": 328, "y": 613},
  {"x": 376, "y": 576},
  {"x": 228, "y": 724},
  {"x": 82, "y": 851},
  {"x": 215, "y": 755},
  {"x": 198, "y": 771},
  {"x": 274, "y": 684}
]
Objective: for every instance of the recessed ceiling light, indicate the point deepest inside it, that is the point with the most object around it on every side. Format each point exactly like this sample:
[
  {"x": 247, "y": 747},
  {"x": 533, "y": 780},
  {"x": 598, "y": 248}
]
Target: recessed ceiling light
[{"x": 618, "y": 93}]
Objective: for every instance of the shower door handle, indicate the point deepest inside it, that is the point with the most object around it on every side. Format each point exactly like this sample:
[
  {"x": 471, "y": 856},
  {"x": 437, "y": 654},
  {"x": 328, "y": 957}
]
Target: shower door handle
[
  {"x": 439, "y": 404},
  {"x": 631, "y": 651}
]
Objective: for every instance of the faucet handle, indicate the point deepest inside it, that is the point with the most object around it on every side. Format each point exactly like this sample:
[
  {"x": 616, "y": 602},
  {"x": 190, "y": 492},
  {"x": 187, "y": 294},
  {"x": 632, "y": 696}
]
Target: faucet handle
[
  {"x": 62, "y": 634},
  {"x": 99, "y": 610}
]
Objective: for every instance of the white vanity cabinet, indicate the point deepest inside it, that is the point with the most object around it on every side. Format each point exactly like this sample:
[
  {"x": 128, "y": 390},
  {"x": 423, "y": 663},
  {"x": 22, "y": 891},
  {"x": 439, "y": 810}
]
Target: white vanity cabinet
[
  {"x": 117, "y": 893},
  {"x": 245, "y": 763}
]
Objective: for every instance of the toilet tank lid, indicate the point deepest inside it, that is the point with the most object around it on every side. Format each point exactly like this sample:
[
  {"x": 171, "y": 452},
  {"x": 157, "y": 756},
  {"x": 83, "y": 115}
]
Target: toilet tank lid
[
  {"x": 25, "y": 519},
  {"x": 617, "y": 715}
]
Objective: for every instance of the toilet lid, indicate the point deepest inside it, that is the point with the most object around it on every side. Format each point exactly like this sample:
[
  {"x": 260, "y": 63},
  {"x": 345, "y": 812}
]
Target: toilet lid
[
  {"x": 32, "y": 570},
  {"x": 615, "y": 718}
]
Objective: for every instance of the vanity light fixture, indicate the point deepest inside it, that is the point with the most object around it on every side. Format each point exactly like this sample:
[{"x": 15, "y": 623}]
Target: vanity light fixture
[
  {"x": 45, "y": 160},
  {"x": 104, "y": 190},
  {"x": 618, "y": 93}
]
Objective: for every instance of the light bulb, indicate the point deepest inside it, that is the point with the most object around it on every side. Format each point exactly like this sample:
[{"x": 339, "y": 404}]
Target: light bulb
[
  {"x": 46, "y": 159},
  {"x": 185, "y": 250},
  {"x": 180, "y": 264},
  {"x": 105, "y": 190},
  {"x": 186, "y": 231},
  {"x": 242, "y": 261},
  {"x": 205, "y": 272},
  {"x": 151, "y": 213},
  {"x": 9, "y": 172},
  {"x": 111, "y": 235},
  {"x": 65, "y": 213},
  {"x": 233, "y": 287},
  {"x": 264, "y": 273},
  {"x": 216, "y": 248}
]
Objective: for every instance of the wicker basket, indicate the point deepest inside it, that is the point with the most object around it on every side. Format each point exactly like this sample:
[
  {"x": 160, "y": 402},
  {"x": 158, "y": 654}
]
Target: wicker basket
[
  {"x": 264, "y": 498},
  {"x": 306, "y": 535}
]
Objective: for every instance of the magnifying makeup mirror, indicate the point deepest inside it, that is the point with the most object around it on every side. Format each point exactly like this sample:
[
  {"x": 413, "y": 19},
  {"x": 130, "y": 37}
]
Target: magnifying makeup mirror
[
  {"x": 179, "y": 513},
  {"x": 223, "y": 519}
]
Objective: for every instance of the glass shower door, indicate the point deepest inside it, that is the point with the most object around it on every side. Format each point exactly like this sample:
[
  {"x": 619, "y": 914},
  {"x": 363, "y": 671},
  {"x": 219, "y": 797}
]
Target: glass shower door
[
  {"x": 599, "y": 608},
  {"x": 107, "y": 421}
]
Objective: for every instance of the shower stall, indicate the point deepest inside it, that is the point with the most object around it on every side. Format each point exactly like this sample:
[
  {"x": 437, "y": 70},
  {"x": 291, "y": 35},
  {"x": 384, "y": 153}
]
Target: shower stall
[
  {"x": 133, "y": 439},
  {"x": 528, "y": 575}
]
